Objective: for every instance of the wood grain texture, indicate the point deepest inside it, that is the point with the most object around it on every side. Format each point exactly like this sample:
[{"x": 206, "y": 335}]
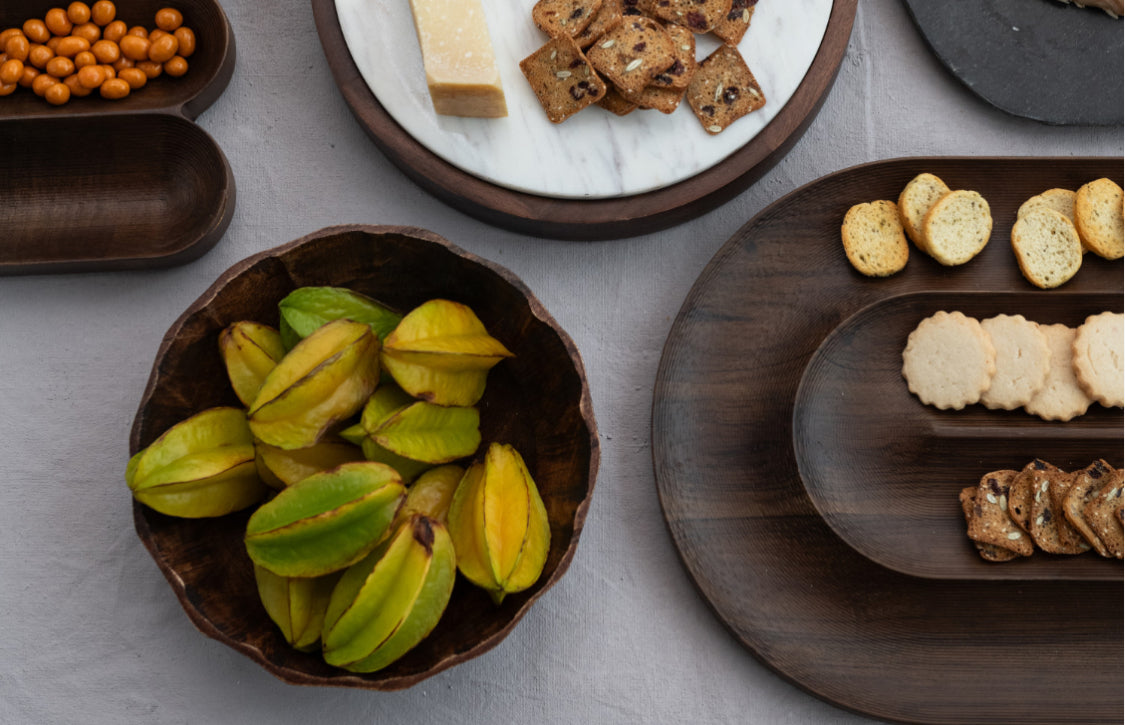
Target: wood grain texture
[
  {"x": 822, "y": 615},
  {"x": 597, "y": 219},
  {"x": 78, "y": 195},
  {"x": 1043, "y": 60},
  {"x": 537, "y": 401}
]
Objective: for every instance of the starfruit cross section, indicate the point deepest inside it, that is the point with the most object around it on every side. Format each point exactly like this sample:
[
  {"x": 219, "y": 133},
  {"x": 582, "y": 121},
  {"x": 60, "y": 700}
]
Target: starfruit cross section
[
  {"x": 441, "y": 353},
  {"x": 305, "y": 309},
  {"x": 250, "y": 351},
  {"x": 499, "y": 524},
  {"x": 389, "y": 602},
  {"x": 326, "y": 522},
  {"x": 296, "y": 604},
  {"x": 327, "y": 377},
  {"x": 200, "y": 467}
]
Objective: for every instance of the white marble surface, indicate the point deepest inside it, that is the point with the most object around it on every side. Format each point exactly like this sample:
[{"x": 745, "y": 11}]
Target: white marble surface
[
  {"x": 593, "y": 154},
  {"x": 92, "y": 632}
]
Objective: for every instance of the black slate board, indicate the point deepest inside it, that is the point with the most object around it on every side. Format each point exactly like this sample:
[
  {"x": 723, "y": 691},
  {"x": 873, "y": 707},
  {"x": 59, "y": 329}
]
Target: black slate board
[{"x": 1041, "y": 59}]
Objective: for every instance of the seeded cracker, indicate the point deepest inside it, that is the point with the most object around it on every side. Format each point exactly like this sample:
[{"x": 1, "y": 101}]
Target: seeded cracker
[
  {"x": 731, "y": 28},
  {"x": 1101, "y": 513},
  {"x": 616, "y": 103},
  {"x": 1070, "y": 539},
  {"x": 609, "y": 17},
  {"x": 678, "y": 75},
  {"x": 562, "y": 78},
  {"x": 633, "y": 53},
  {"x": 1021, "y": 494},
  {"x": 990, "y": 522},
  {"x": 723, "y": 90},
  {"x": 988, "y": 552},
  {"x": 557, "y": 18},
  {"x": 1087, "y": 483},
  {"x": 664, "y": 100},
  {"x": 699, "y": 16}
]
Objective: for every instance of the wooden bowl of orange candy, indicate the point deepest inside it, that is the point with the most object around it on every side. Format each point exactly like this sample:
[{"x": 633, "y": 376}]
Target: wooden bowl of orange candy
[{"x": 80, "y": 86}]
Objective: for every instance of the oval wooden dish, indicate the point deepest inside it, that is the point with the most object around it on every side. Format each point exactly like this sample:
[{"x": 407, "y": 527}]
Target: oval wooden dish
[
  {"x": 885, "y": 608},
  {"x": 77, "y": 195},
  {"x": 587, "y": 219},
  {"x": 538, "y": 401}
]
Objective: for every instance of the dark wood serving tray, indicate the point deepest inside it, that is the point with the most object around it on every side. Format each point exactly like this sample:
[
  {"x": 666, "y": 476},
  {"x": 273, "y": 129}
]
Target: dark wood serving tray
[
  {"x": 594, "y": 219},
  {"x": 823, "y": 615},
  {"x": 1040, "y": 59},
  {"x": 96, "y": 184}
]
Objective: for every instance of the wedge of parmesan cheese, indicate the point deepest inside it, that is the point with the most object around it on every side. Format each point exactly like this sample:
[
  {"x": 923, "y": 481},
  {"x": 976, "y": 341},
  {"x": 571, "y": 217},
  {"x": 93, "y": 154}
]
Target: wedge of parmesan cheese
[{"x": 460, "y": 65}]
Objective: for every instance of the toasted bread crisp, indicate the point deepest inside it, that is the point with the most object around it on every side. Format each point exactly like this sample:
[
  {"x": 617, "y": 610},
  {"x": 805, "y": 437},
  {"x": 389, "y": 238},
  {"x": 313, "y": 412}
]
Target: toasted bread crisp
[
  {"x": 1060, "y": 200},
  {"x": 1047, "y": 248},
  {"x": 731, "y": 28},
  {"x": 1087, "y": 483},
  {"x": 915, "y": 201},
  {"x": 957, "y": 227},
  {"x": 988, "y": 552},
  {"x": 873, "y": 239},
  {"x": 558, "y": 18},
  {"x": 990, "y": 522},
  {"x": 631, "y": 54},
  {"x": 562, "y": 78},
  {"x": 1098, "y": 216},
  {"x": 723, "y": 90}
]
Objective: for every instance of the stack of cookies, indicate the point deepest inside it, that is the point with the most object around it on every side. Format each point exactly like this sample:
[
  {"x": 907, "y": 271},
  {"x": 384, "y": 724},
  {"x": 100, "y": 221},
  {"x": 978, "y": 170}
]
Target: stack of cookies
[
  {"x": 1011, "y": 513},
  {"x": 625, "y": 55},
  {"x": 1008, "y": 362}
]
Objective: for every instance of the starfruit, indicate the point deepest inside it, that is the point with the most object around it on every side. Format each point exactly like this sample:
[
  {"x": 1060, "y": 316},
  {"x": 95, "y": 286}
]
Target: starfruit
[
  {"x": 326, "y": 522},
  {"x": 280, "y": 468},
  {"x": 388, "y": 602},
  {"x": 441, "y": 353},
  {"x": 499, "y": 524},
  {"x": 296, "y": 605},
  {"x": 200, "y": 467},
  {"x": 327, "y": 377},
  {"x": 306, "y": 309},
  {"x": 431, "y": 494},
  {"x": 250, "y": 351}
]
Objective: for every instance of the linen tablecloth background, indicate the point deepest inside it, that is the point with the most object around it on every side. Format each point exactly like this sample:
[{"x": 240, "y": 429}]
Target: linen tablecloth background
[{"x": 93, "y": 634}]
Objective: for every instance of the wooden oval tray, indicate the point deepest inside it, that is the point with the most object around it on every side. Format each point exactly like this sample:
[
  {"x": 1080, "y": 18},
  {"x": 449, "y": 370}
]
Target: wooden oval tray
[
  {"x": 586, "y": 219},
  {"x": 1040, "y": 59},
  {"x": 801, "y": 599},
  {"x": 80, "y": 196}
]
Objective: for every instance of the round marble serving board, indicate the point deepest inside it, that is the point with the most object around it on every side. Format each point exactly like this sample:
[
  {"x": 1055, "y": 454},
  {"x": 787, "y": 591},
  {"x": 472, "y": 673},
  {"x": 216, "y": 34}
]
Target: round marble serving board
[
  {"x": 593, "y": 155},
  {"x": 1040, "y": 59}
]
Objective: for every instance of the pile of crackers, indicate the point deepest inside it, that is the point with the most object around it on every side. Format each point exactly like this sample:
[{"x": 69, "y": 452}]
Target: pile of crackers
[
  {"x": 625, "y": 55},
  {"x": 1011, "y": 513},
  {"x": 1007, "y": 362}
]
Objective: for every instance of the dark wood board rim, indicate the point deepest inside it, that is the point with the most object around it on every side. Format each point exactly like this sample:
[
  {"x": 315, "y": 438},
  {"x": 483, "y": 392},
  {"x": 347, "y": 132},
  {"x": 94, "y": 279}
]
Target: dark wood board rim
[
  {"x": 188, "y": 108},
  {"x": 595, "y": 219},
  {"x": 693, "y": 493},
  {"x": 297, "y": 677}
]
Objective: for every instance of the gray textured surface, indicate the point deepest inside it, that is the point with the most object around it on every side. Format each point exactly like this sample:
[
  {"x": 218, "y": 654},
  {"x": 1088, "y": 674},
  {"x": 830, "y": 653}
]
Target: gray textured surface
[{"x": 93, "y": 633}]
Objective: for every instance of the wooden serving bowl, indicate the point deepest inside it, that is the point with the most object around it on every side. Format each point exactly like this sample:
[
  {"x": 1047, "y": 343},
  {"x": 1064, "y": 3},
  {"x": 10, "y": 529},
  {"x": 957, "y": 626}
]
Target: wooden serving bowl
[
  {"x": 96, "y": 184},
  {"x": 538, "y": 401}
]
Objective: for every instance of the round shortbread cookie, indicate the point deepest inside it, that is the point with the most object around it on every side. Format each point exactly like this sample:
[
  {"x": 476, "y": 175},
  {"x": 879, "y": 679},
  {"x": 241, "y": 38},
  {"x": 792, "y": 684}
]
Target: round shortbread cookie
[
  {"x": 1098, "y": 216},
  {"x": 948, "y": 361},
  {"x": 1022, "y": 361},
  {"x": 958, "y": 227},
  {"x": 1047, "y": 248},
  {"x": 915, "y": 201},
  {"x": 873, "y": 239},
  {"x": 1060, "y": 200},
  {"x": 1061, "y": 397},
  {"x": 1098, "y": 358}
]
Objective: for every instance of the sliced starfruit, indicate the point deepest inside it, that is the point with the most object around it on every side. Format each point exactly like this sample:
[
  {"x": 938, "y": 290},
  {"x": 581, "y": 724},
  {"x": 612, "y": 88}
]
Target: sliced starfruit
[
  {"x": 296, "y": 605},
  {"x": 499, "y": 524},
  {"x": 200, "y": 467},
  {"x": 306, "y": 309},
  {"x": 326, "y": 522},
  {"x": 327, "y": 377},
  {"x": 388, "y": 602},
  {"x": 280, "y": 468},
  {"x": 441, "y": 353},
  {"x": 250, "y": 351}
]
